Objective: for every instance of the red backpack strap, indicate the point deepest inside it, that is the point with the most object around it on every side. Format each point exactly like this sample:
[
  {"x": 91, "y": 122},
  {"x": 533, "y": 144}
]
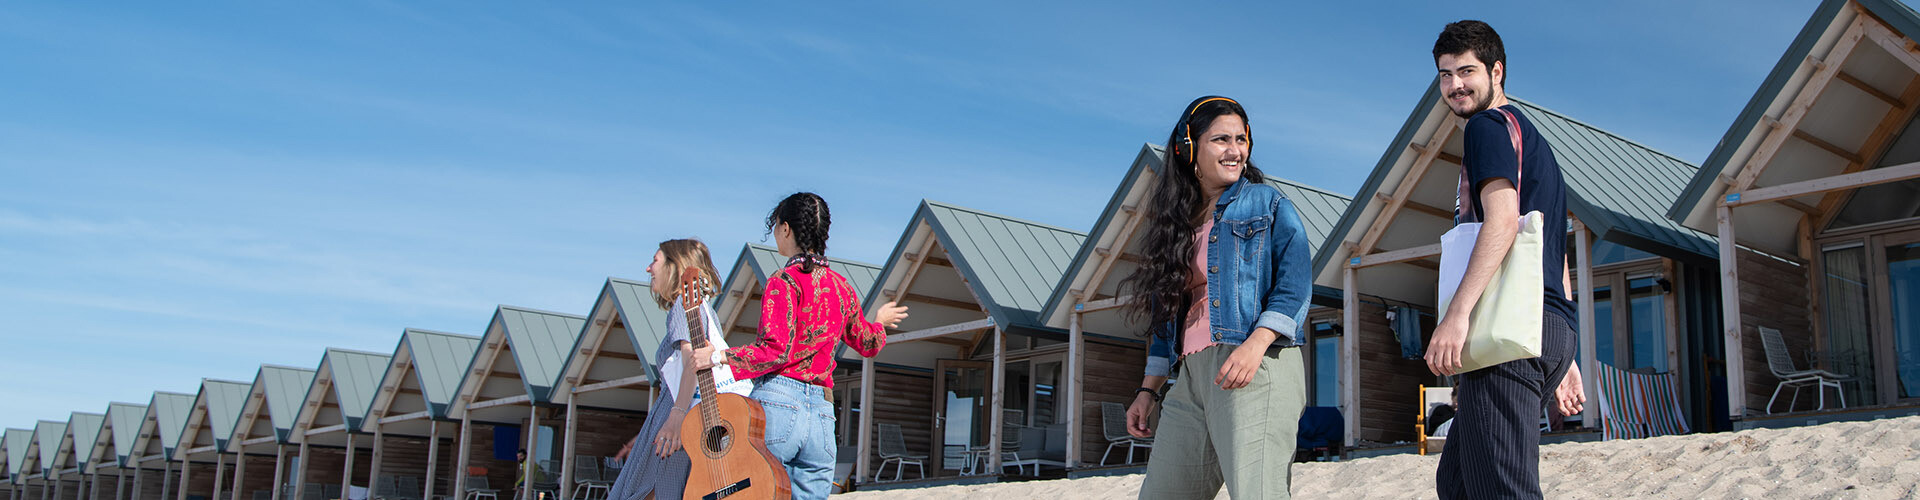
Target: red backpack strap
[{"x": 1519, "y": 158}]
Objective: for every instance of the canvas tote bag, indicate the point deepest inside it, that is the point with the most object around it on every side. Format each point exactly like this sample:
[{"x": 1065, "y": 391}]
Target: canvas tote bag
[{"x": 1505, "y": 324}]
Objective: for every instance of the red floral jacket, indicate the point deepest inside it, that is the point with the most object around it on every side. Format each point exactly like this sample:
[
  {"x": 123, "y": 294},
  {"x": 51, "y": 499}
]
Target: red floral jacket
[{"x": 802, "y": 316}]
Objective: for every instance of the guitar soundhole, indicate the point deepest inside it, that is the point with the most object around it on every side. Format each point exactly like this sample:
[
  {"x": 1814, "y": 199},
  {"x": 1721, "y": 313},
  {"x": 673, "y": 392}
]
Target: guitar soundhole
[{"x": 718, "y": 439}]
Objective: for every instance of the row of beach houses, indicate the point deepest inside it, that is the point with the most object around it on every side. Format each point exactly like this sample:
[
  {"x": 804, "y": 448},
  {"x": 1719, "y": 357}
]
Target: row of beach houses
[{"x": 1804, "y": 220}]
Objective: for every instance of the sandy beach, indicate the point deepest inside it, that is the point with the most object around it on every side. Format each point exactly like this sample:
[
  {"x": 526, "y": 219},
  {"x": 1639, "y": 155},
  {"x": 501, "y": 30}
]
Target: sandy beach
[{"x": 1866, "y": 460}]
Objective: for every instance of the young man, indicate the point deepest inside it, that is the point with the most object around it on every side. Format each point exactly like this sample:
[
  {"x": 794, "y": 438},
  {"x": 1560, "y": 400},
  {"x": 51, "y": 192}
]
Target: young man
[{"x": 1493, "y": 448}]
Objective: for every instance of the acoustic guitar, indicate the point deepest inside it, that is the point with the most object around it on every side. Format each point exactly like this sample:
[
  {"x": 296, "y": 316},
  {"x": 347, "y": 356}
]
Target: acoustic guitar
[{"x": 728, "y": 443}]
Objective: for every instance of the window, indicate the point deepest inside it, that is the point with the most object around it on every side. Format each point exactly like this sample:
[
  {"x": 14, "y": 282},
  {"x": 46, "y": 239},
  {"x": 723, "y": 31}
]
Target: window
[
  {"x": 1326, "y": 364},
  {"x": 1631, "y": 318},
  {"x": 846, "y": 407}
]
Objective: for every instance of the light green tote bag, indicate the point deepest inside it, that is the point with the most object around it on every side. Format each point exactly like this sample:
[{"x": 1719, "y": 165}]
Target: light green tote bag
[{"x": 1505, "y": 323}]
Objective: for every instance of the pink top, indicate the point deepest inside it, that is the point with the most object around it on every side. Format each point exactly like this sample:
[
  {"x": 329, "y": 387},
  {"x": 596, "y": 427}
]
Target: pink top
[
  {"x": 801, "y": 321},
  {"x": 1197, "y": 334}
]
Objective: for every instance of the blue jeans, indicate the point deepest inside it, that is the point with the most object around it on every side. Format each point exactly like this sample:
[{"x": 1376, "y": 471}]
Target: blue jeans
[{"x": 800, "y": 425}]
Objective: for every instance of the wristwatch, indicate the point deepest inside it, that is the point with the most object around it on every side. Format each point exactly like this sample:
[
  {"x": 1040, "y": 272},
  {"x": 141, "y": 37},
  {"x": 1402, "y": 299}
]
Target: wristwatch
[{"x": 1155, "y": 395}]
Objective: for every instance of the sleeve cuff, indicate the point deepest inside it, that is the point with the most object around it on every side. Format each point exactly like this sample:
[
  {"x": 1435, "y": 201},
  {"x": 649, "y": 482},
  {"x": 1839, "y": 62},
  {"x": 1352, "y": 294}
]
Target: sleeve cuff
[
  {"x": 1281, "y": 324},
  {"x": 1159, "y": 367}
]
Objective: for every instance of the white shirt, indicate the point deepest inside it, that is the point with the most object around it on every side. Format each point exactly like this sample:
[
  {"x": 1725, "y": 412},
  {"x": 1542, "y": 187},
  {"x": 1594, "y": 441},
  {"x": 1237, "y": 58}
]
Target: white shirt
[{"x": 677, "y": 331}]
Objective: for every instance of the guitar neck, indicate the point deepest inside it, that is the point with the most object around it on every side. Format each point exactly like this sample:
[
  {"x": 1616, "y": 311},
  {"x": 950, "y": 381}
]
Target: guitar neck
[{"x": 697, "y": 335}]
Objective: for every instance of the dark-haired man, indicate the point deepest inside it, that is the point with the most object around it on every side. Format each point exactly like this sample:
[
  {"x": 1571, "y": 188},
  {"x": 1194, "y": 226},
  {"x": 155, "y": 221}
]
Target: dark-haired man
[{"x": 1493, "y": 448}]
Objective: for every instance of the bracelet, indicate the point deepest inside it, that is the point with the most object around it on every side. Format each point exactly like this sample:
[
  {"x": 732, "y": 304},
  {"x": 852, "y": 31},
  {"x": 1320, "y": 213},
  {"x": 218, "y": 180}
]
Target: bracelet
[{"x": 1152, "y": 394}]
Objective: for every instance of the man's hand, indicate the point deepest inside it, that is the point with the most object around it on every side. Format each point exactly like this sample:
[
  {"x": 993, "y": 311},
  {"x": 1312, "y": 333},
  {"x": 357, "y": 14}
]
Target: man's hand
[
  {"x": 1139, "y": 414},
  {"x": 1571, "y": 396},
  {"x": 1443, "y": 352}
]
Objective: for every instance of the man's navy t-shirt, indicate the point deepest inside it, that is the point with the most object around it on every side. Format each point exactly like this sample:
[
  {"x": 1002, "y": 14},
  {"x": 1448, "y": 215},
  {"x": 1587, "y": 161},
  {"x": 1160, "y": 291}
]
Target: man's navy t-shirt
[{"x": 1489, "y": 155}]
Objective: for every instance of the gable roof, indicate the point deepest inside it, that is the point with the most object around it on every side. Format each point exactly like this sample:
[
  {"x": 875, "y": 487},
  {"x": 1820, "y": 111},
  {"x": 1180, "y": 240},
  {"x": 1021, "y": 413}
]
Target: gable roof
[
  {"x": 83, "y": 429},
  {"x": 1614, "y": 185},
  {"x": 123, "y": 424},
  {"x": 1696, "y": 205},
  {"x": 632, "y": 302},
  {"x": 16, "y": 442},
  {"x": 46, "y": 437},
  {"x": 216, "y": 409},
  {"x": 352, "y": 377},
  {"x": 168, "y": 411},
  {"x": 757, "y": 263},
  {"x": 439, "y": 361},
  {"x": 277, "y": 393},
  {"x": 540, "y": 342},
  {"x": 1011, "y": 264}
]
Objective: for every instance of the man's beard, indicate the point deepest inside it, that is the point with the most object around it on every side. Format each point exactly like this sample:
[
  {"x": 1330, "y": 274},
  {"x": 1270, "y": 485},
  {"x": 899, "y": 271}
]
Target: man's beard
[{"x": 1482, "y": 101}]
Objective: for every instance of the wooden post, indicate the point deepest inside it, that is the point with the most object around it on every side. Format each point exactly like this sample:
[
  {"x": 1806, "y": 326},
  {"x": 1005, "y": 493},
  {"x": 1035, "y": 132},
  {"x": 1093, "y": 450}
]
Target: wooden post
[
  {"x": 1730, "y": 312},
  {"x": 59, "y": 487},
  {"x": 862, "y": 464},
  {"x": 373, "y": 467},
  {"x": 300, "y": 472},
  {"x": 219, "y": 473},
  {"x": 530, "y": 467},
  {"x": 166, "y": 477},
  {"x": 346, "y": 477},
  {"x": 460, "y": 468},
  {"x": 566, "y": 444},
  {"x": 279, "y": 471},
  {"x": 999, "y": 398},
  {"x": 433, "y": 456},
  {"x": 1589, "y": 367},
  {"x": 1350, "y": 353},
  {"x": 119, "y": 486},
  {"x": 1076, "y": 353},
  {"x": 239, "y": 473},
  {"x": 135, "y": 460},
  {"x": 185, "y": 466}
]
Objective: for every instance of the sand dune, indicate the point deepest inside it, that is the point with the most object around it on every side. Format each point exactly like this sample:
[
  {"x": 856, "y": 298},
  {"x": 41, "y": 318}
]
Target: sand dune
[{"x": 1868, "y": 460}]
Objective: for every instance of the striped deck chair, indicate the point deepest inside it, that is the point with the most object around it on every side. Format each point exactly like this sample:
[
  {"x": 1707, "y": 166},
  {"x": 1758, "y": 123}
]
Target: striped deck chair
[{"x": 1634, "y": 405}]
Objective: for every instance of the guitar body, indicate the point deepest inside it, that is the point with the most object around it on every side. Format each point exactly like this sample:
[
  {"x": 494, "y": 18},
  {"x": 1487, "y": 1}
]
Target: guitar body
[{"x": 730, "y": 458}]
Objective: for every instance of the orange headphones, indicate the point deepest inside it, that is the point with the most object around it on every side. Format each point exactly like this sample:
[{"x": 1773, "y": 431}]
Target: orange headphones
[{"x": 1184, "y": 149}]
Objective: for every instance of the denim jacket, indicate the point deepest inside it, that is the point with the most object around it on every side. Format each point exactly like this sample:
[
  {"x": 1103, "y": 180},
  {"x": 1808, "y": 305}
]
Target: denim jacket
[{"x": 1258, "y": 274}]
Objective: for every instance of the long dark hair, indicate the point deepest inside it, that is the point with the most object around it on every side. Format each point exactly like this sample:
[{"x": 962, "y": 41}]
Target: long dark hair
[
  {"x": 806, "y": 214},
  {"x": 1175, "y": 209}
]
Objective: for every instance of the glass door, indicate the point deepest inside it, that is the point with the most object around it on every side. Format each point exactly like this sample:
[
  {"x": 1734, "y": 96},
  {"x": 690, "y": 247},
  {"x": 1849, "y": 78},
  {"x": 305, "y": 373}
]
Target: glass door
[
  {"x": 1901, "y": 254},
  {"x": 960, "y": 421},
  {"x": 1849, "y": 334}
]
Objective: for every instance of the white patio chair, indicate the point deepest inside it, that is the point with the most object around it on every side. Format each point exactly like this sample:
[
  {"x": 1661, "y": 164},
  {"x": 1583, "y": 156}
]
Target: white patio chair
[
  {"x": 1780, "y": 362},
  {"x": 893, "y": 448},
  {"x": 1113, "y": 425}
]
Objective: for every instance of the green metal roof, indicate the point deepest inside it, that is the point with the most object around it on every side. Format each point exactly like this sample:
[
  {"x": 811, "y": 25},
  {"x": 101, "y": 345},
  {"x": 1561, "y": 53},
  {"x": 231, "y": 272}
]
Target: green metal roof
[
  {"x": 1616, "y": 186},
  {"x": 16, "y": 442},
  {"x": 225, "y": 399},
  {"x": 356, "y": 379},
  {"x": 1319, "y": 209},
  {"x": 766, "y": 260},
  {"x": 170, "y": 410},
  {"x": 124, "y": 419},
  {"x": 47, "y": 434},
  {"x": 1011, "y": 264},
  {"x": 646, "y": 323},
  {"x": 1903, "y": 19},
  {"x": 540, "y": 341},
  {"x": 440, "y": 359},
  {"x": 84, "y": 430},
  {"x": 283, "y": 389}
]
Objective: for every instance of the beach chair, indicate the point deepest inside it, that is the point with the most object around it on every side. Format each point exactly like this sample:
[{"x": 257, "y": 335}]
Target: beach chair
[
  {"x": 587, "y": 478},
  {"x": 1780, "y": 362},
  {"x": 477, "y": 488},
  {"x": 893, "y": 448},
  {"x": 1113, "y": 425},
  {"x": 1430, "y": 398},
  {"x": 1638, "y": 405}
]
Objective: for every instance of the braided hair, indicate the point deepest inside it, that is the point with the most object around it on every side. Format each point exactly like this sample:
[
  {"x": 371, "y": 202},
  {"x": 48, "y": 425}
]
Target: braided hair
[{"x": 805, "y": 214}]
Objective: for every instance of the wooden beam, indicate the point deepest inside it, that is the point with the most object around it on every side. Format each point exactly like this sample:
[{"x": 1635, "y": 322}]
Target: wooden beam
[
  {"x": 1873, "y": 149},
  {"x": 612, "y": 384},
  {"x": 939, "y": 261},
  {"x": 1424, "y": 264},
  {"x": 1350, "y": 353},
  {"x": 402, "y": 418},
  {"x": 1134, "y": 217},
  {"x": 949, "y": 341},
  {"x": 939, "y": 301},
  {"x": 1583, "y": 258},
  {"x": 1890, "y": 99},
  {"x": 939, "y": 331},
  {"x": 1730, "y": 313},
  {"x": 611, "y": 355},
  {"x": 1124, "y": 256},
  {"x": 1103, "y": 304},
  {"x": 522, "y": 398},
  {"x": 1395, "y": 256},
  {"x": 1779, "y": 130},
  {"x": 1895, "y": 45},
  {"x": 1404, "y": 190},
  {"x": 1824, "y": 185},
  {"x": 913, "y": 269},
  {"x": 1850, "y": 156}
]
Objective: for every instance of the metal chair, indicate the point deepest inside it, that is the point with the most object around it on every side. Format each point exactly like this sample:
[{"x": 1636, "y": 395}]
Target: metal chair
[
  {"x": 1010, "y": 425},
  {"x": 477, "y": 488},
  {"x": 587, "y": 478},
  {"x": 1781, "y": 364},
  {"x": 893, "y": 448},
  {"x": 405, "y": 487},
  {"x": 1113, "y": 425}
]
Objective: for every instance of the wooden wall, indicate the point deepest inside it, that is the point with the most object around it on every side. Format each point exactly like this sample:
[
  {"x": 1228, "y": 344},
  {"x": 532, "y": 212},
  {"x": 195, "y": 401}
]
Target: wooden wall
[
  {"x": 1113, "y": 371},
  {"x": 1775, "y": 294},
  {"x": 900, "y": 397},
  {"x": 1389, "y": 383}
]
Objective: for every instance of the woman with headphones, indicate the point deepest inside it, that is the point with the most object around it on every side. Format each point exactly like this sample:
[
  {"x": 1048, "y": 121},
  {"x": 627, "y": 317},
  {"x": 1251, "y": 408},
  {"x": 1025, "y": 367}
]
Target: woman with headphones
[{"x": 1224, "y": 284}]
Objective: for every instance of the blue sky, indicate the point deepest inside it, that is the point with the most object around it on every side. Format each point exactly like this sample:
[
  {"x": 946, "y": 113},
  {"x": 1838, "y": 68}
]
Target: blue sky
[{"x": 189, "y": 191}]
